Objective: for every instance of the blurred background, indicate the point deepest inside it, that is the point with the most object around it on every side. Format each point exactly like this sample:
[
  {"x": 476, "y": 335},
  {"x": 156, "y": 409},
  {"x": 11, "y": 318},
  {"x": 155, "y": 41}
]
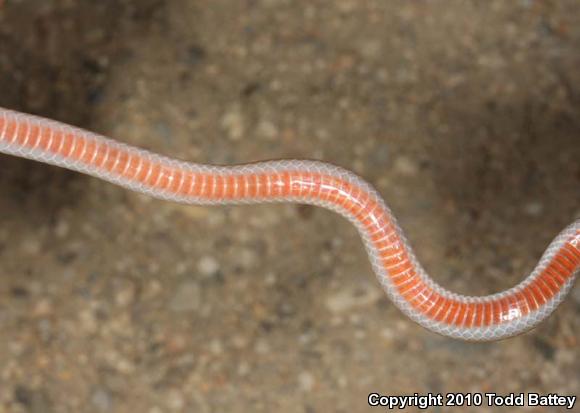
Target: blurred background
[{"x": 464, "y": 115}]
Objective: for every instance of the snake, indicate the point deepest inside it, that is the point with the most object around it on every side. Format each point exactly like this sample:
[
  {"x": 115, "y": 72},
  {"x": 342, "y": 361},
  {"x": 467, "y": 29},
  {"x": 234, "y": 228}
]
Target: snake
[{"x": 401, "y": 275}]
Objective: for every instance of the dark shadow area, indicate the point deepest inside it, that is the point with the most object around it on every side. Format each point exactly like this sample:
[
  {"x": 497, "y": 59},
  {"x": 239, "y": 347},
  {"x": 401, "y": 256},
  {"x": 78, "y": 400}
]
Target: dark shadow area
[
  {"x": 54, "y": 62},
  {"x": 508, "y": 168}
]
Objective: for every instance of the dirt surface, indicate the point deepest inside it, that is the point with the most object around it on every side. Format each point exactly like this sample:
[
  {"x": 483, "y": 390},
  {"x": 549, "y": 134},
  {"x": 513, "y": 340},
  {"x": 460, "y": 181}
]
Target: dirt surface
[{"x": 464, "y": 115}]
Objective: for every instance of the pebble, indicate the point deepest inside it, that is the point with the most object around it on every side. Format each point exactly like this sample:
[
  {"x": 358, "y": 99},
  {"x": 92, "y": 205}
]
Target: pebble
[
  {"x": 187, "y": 297},
  {"x": 208, "y": 265},
  {"x": 248, "y": 258},
  {"x": 102, "y": 400},
  {"x": 62, "y": 228},
  {"x": 216, "y": 347},
  {"x": 175, "y": 343},
  {"x": 118, "y": 361},
  {"x": 270, "y": 279},
  {"x": 125, "y": 296},
  {"x": 163, "y": 130},
  {"x": 88, "y": 321},
  {"x": 379, "y": 157},
  {"x": 405, "y": 166},
  {"x": 43, "y": 308},
  {"x": 45, "y": 329},
  {"x": 306, "y": 381},
  {"x": 239, "y": 341},
  {"x": 346, "y": 299},
  {"x": 32, "y": 247},
  {"x": 387, "y": 334},
  {"x": 243, "y": 369},
  {"x": 267, "y": 129},
  {"x": 534, "y": 209},
  {"x": 262, "y": 347},
  {"x": 233, "y": 123},
  {"x": 371, "y": 49},
  {"x": 175, "y": 400}
]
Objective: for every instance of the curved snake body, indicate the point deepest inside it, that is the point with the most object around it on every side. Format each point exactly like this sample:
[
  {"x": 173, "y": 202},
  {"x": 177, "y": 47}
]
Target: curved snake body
[{"x": 309, "y": 182}]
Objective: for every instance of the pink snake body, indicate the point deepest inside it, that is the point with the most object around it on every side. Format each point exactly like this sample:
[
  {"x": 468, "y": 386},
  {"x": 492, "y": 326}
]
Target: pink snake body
[{"x": 309, "y": 182}]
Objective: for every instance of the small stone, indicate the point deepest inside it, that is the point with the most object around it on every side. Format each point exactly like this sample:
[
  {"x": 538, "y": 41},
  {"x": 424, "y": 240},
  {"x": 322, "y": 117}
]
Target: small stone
[
  {"x": 102, "y": 400},
  {"x": 125, "y": 296},
  {"x": 270, "y": 279},
  {"x": 175, "y": 400},
  {"x": 248, "y": 258},
  {"x": 216, "y": 347},
  {"x": 306, "y": 381},
  {"x": 42, "y": 308},
  {"x": 45, "y": 329},
  {"x": 233, "y": 123},
  {"x": 163, "y": 130},
  {"x": 360, "y": 335},
  {"x": 152, "y": 289},
  {"x": 305, "y": 339},
  {"x": 239, "y": 341},
  {"x": 187, "y": 297},
  {"x": 347, "y": 299},
  {"x": 88, "y": 321},
  {"x": 534, "y": 208},
  {"x": 267, "y": 129},
  {"x": 243, "y": 369},
  {"x": 175, "y": 344},
  {"x": 371, "y": 49},
  {"x": 387, "y": 334},
  {"x": 120, "y": 363},
  {"x": 379, "y": 157},
  {"x": 262, "y": 347},
  {"x": 32, "y": 247},
  {"x": 62, "y": 228},
  {"x": 208, "y": 265},
  {"x": 406, "y": 166},
  {"x": 342, "y": 382}
]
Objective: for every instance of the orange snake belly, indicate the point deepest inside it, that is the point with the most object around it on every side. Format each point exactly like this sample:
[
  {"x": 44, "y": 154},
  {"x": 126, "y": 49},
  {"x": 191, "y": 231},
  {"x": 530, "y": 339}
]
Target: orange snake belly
[{"x": 404, "y": 280}]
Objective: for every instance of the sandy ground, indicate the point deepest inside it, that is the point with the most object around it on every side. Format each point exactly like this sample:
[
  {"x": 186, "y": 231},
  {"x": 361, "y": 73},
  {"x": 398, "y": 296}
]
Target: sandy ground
[{"x": 464, "y": 115}]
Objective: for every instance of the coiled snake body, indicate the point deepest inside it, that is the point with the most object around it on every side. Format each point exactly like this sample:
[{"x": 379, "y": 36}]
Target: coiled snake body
[{"x": 309, "y": 182}]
